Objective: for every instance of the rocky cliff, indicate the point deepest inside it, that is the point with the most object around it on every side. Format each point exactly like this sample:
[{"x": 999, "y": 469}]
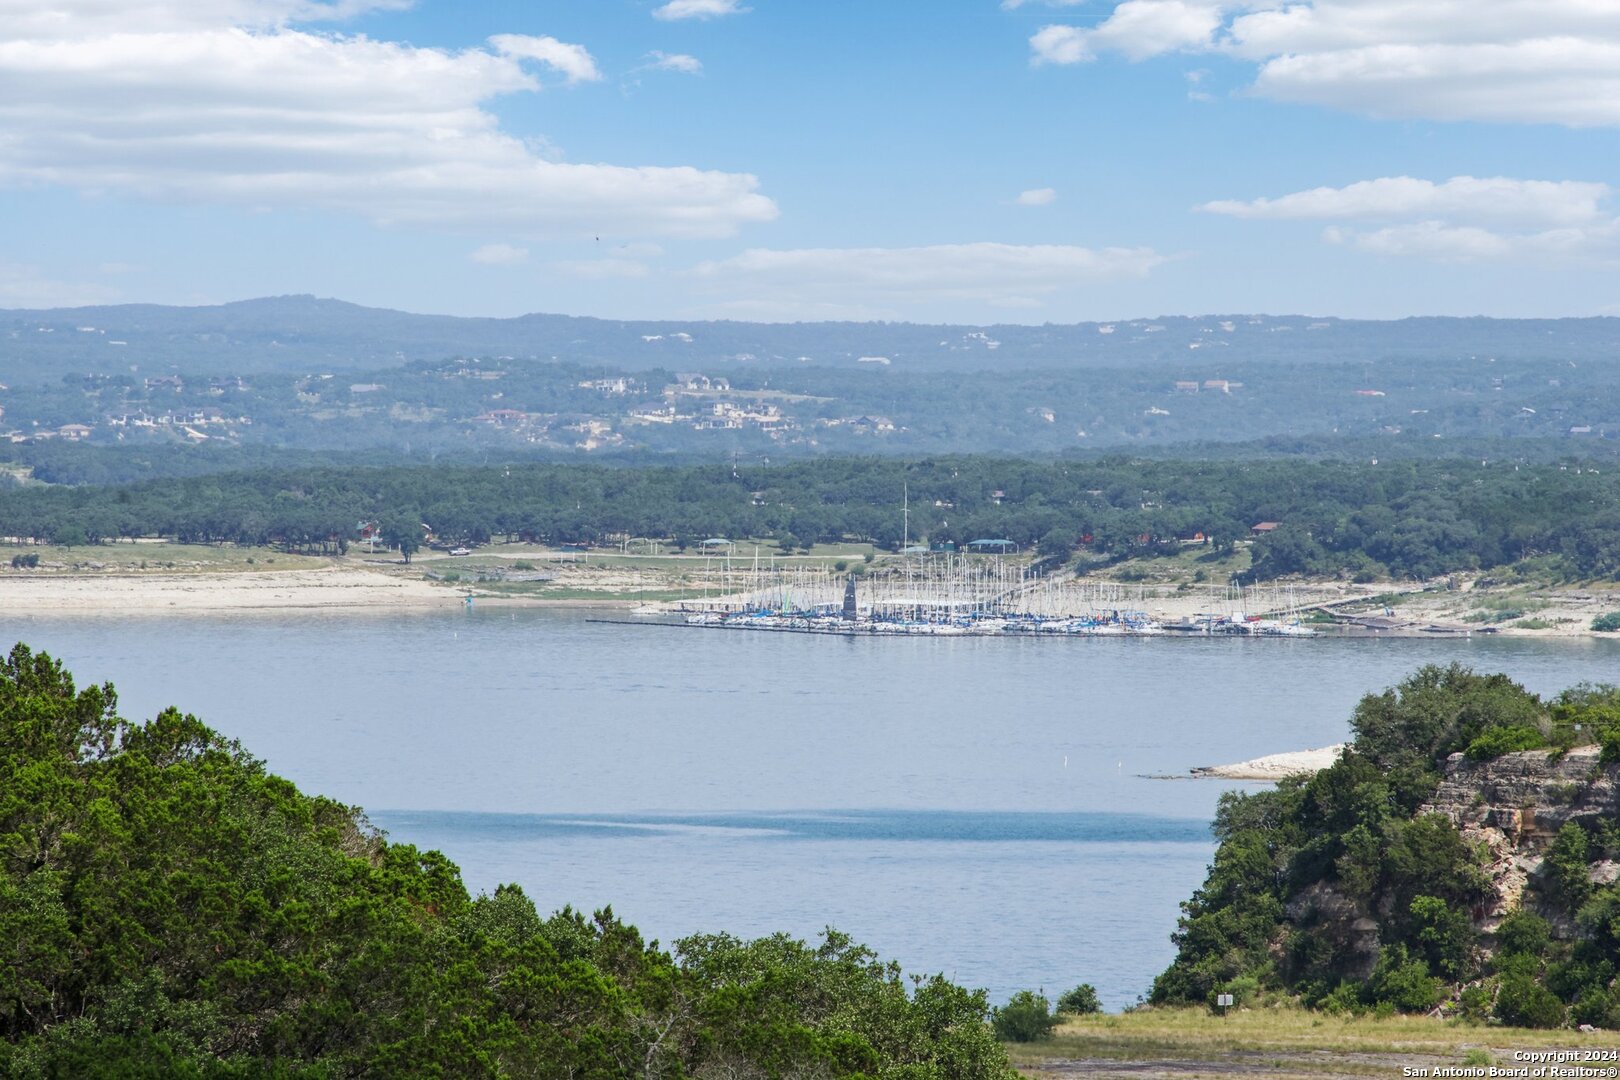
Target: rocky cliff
[{"x": 1516, "y": 804}]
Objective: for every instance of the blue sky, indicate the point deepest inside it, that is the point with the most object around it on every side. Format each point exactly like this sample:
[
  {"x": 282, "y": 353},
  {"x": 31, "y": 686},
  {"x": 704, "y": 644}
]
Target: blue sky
[{"x": 931, "y": 160}]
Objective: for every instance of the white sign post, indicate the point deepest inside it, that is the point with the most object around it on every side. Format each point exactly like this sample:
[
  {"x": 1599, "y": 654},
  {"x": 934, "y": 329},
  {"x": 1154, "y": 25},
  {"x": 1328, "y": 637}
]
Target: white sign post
[{"x": 1224, "y": 1001}]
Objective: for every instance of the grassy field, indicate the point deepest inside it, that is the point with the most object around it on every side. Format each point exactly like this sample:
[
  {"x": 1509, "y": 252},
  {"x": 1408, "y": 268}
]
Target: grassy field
[
  {"x": 1278, "y": 1044},
  {"x": 1191, "y": 565},
  {"x": 159, "y": 558}
]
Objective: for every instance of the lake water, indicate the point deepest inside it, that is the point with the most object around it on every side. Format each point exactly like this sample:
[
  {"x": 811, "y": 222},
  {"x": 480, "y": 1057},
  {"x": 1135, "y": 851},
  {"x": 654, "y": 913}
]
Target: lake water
[{"x": 975, "y": 806}]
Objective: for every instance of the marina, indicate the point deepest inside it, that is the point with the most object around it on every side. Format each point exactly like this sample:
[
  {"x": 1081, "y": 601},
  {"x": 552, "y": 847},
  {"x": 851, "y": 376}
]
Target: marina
[{"x": 963, "y": 595}]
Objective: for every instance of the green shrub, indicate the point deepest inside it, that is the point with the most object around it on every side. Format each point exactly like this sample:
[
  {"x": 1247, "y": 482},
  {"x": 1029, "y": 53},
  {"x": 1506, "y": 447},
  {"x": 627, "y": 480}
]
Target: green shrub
[
  {"x": 1523, "y": 933},
  {"x": 1244, "y": 989},
  {"x": 1489, "y": 616},
  {"x": 1345, "y": 999},
  {"x": 1523, "y": 1002},
  {"x": 1403, "y": 982},
  {"x": 1598, "y": 1006},
  {"x": 1494, "y": 742},
  {"x": 1027, "y": 1017},
  {"x": 523, "y": 564},
  {"x": 1609, "y": 740},
  {"x": 1607, "y": 624},
  {"x": 1568, "y": 857},
  {"x": 1474, "y": 1007},
  {"x": 1081, "y": 1001},
  {"x": 1445, "y": 935}
]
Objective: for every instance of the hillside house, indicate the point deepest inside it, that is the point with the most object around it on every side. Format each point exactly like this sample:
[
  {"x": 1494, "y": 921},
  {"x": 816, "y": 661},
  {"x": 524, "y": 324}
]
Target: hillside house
[
  {"x": 697, "y": 383},
  {"x": 609, "y": 387}
]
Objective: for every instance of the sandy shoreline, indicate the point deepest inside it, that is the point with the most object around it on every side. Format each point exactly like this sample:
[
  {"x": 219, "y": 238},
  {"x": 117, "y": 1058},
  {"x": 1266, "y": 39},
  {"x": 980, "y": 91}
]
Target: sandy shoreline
[
  {"x": 93, "y": 588},
  {"x": 1273, "y": 766},
  {"x": 334, "y": 588}
]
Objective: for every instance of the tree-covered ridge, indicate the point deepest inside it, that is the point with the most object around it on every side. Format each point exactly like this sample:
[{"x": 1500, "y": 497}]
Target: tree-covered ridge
[
  {"x": 298, "y": 334},
  {"x": 168, "y": 908},
  {"x": 1336, "y": 889},
  {"x": 685, "y": 407},
  {"x": 1404, "y": 518}
]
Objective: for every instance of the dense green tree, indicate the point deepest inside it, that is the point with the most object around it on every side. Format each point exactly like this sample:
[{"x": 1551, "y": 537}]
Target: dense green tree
[
  {"x": 1081, "y": 1001},
  {"x": 170, "y": 908},
  {"x": 403, "y": 531},
  {"x": 1027, "y": 1017}
]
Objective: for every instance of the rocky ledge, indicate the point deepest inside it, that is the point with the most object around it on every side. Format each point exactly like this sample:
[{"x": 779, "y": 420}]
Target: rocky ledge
[{"x": 1516, "y": 804}]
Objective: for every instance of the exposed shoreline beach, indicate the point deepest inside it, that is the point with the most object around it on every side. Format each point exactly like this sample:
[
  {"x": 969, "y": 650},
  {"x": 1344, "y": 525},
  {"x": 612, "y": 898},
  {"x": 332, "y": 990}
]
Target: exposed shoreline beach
[
  {"x": 1273, "y": 766},
  {"x": 333, "y": 588},
  {"x": 175, "y": 579}
]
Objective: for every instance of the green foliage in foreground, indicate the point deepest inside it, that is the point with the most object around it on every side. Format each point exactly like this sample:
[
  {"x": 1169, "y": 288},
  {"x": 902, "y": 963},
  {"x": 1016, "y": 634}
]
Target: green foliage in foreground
[
  {"x": 1334, "y": 889},
  {"x": 1608, "y": 623},
  {"x": 1027, "y": 1017},
  {"x": 169, "y": 908}
]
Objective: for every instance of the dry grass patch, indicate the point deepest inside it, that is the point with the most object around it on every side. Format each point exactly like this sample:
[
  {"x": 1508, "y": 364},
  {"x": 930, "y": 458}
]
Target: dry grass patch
[
  {"x": 163, "y": 558},
  {"x": 1275, "y": 1043}
]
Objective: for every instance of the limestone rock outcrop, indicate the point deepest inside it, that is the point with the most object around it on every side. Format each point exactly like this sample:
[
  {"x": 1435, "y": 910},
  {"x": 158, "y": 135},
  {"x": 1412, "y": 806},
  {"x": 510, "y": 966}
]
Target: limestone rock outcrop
[{"x": 1515, "y": 805}]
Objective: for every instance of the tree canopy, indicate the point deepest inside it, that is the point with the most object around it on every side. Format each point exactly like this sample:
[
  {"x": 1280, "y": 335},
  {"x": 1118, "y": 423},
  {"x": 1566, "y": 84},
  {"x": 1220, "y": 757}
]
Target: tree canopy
[
  {"x": 1412, "y": 519},
  {"x": 170, "y": 908}
]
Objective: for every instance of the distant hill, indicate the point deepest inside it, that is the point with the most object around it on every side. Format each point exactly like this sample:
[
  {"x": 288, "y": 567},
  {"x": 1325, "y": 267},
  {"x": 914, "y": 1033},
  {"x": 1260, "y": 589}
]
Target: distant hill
[{"x": 303, "y": 334}]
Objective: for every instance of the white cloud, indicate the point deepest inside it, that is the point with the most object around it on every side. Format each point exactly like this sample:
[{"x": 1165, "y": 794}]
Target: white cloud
[
  {"x": 573, "y": 62},
  {"x": 1037, "y": 197},
  {"x": 222, "y": 102},
  {"x": 698, "y": 9},
  {"x": 1464, "y": 219},
  {"x": 1551, "y": 61},
  {"x": 1438, "y": 241},
  {"x": 677, "y": 62},
  {"x": 1137, "y": 28},
  {"x": 1059, "y": 45},
  {"x": 1432, "y": 240},
  {"x": 500, "y": 255},
  {"x": 1499, "y": 198},
  {"x": 827, "y": 279},
  {"x": 49, "y": 18}
]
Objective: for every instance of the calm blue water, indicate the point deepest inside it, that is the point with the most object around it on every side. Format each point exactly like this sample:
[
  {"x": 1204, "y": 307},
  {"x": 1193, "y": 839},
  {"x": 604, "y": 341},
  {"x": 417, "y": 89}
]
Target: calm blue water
[{"x": 973, "y": 806}]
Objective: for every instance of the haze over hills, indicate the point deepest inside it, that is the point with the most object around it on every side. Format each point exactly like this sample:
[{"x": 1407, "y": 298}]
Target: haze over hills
[
  {"x": 301, "y": 334},
  {"x": 306, "y": 375}
]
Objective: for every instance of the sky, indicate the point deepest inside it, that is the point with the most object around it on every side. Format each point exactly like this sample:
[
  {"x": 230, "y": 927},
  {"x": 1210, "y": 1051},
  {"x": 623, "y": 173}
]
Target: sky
[{"x": 970, "y": 161}]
